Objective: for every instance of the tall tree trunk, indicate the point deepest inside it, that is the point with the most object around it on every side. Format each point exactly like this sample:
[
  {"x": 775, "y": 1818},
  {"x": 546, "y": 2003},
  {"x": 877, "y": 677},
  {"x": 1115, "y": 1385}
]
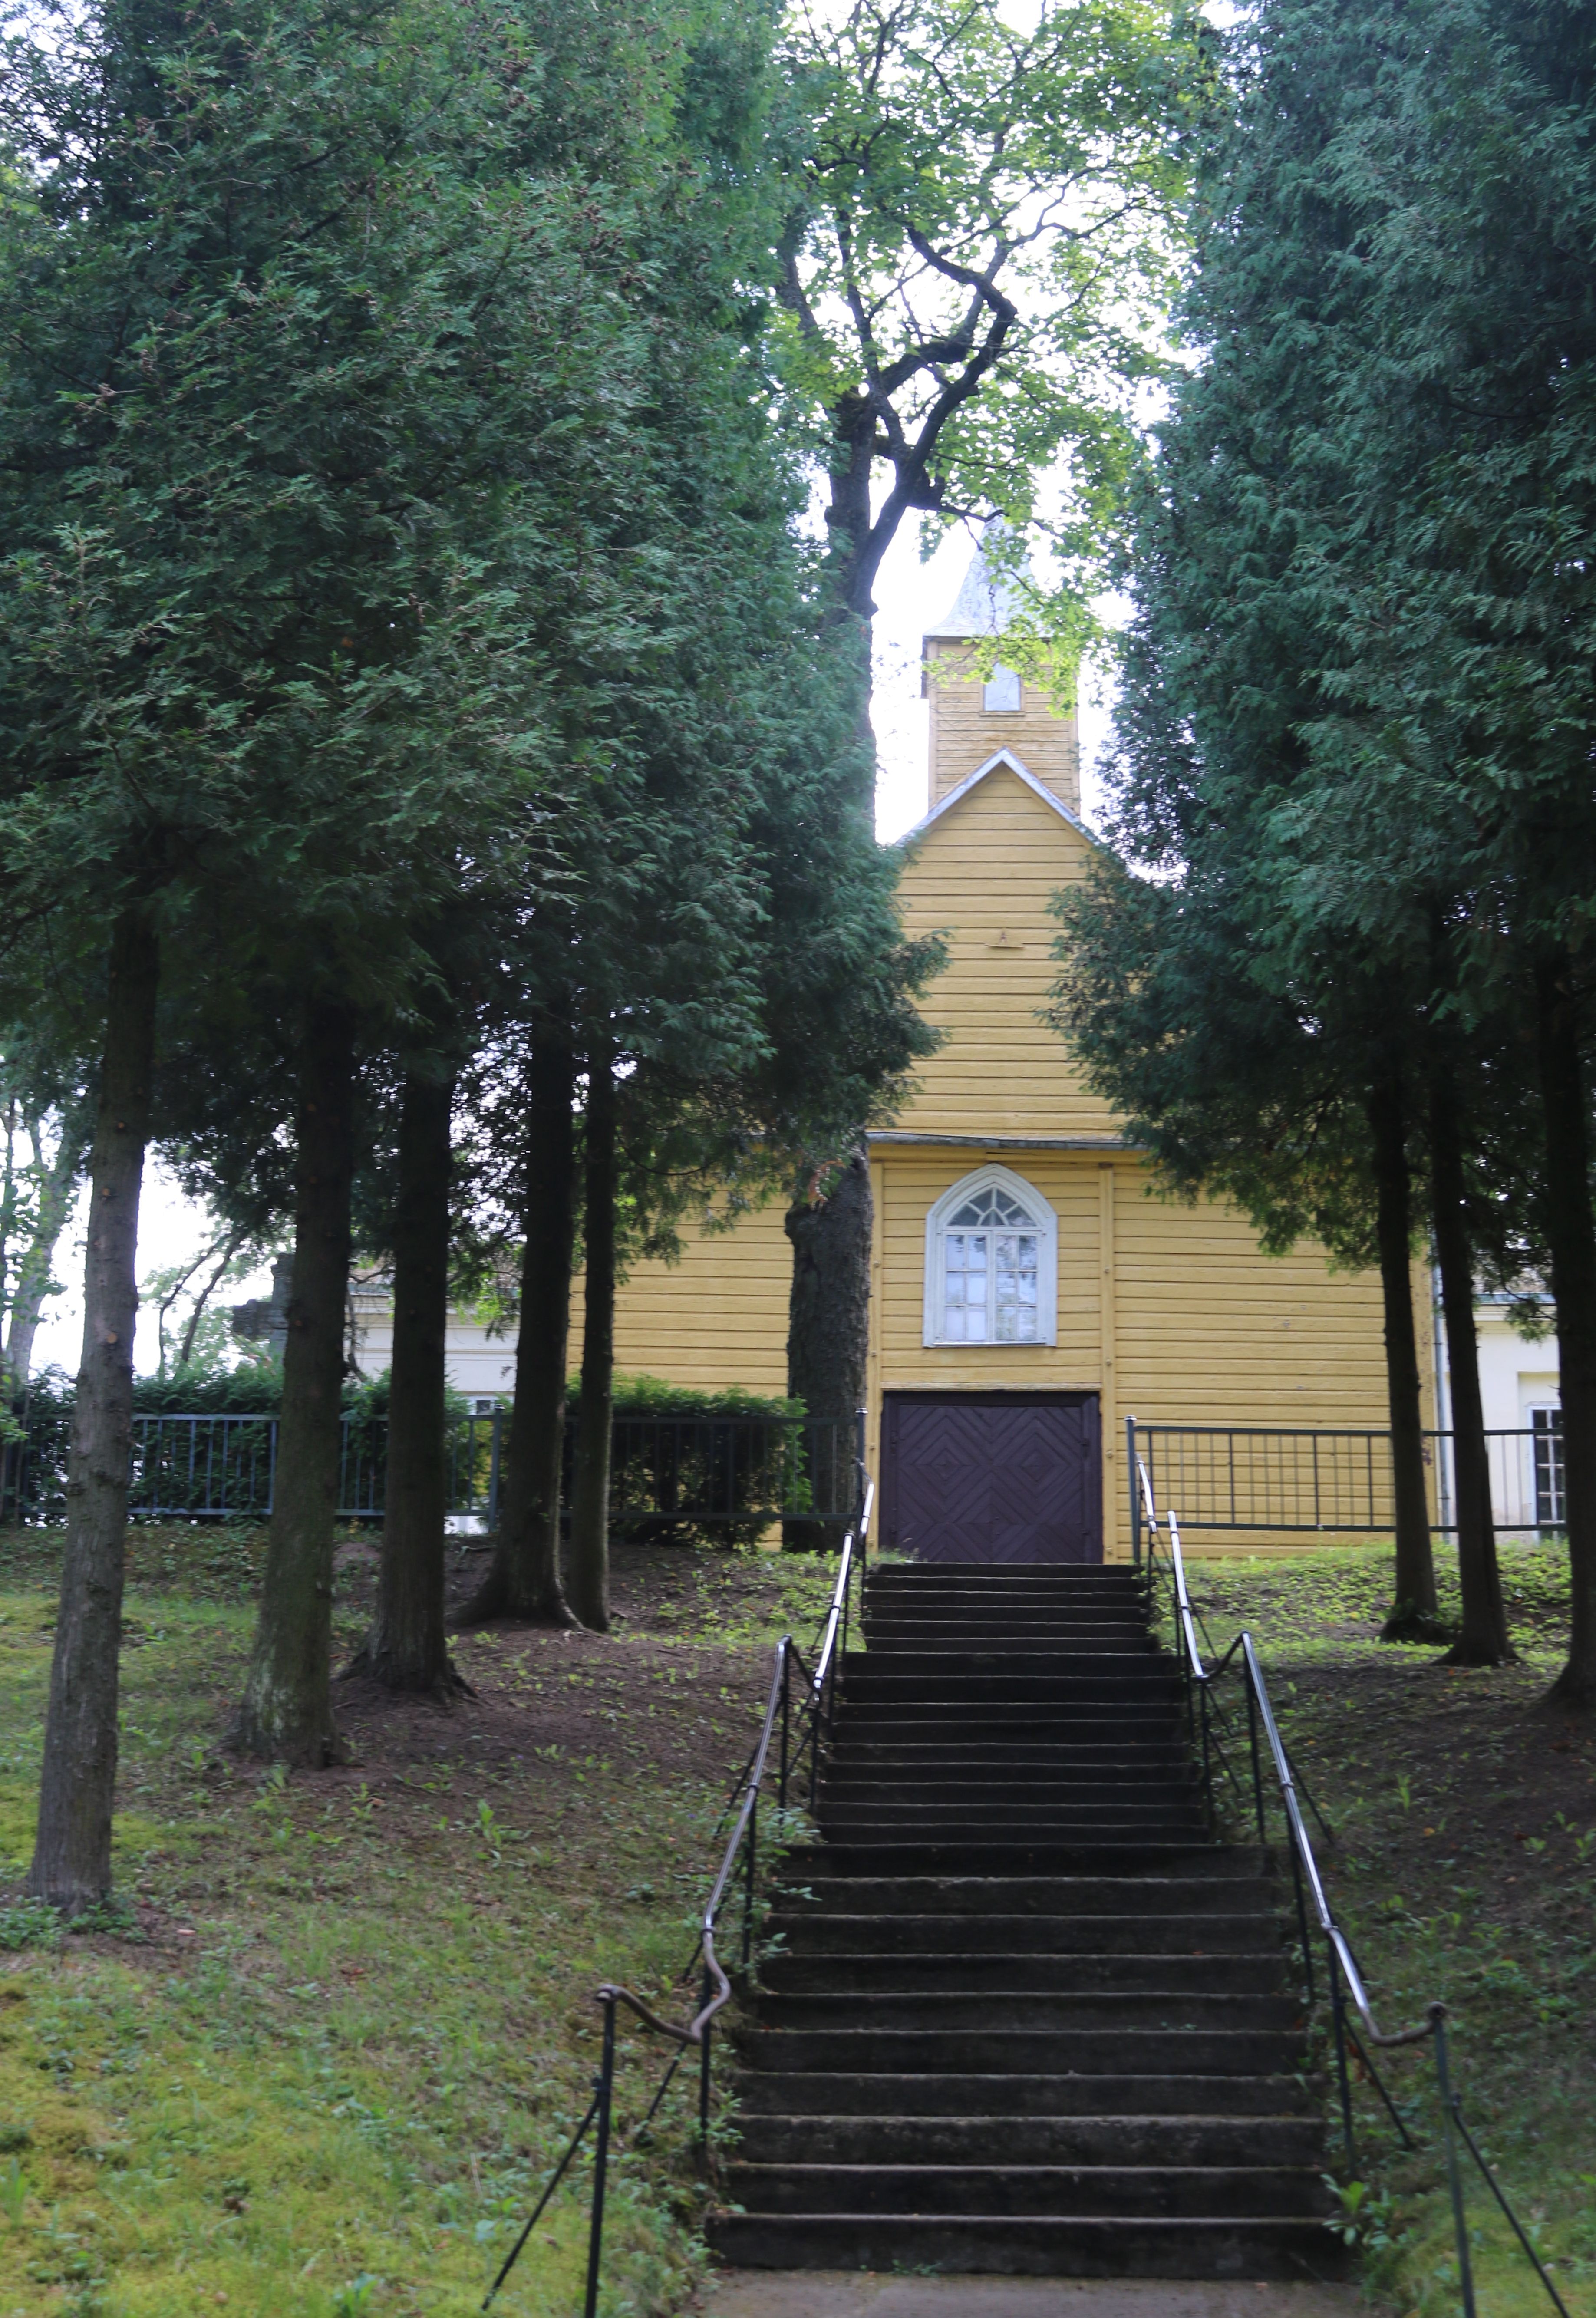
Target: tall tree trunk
[
  {"x": 523, "y": 1580},
  {"x": 829, "y": 1337},
  {"x": 1570, "y": 1237},
  {"x": 408, "y": 1647},
  {"x": 1413, "y": 1610},
  {"x": 286, "y": 1712},
  {"x": 1483, "y": 1635},
  {"x": 591, "y": 1477},
  {"x": 56, "y": 1182},
  {"x": 71, "y": 1865}
]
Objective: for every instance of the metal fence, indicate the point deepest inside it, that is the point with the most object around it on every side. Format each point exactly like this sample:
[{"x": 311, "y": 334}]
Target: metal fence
[
  {"x": 1265, "y": 1478},
  {"x": 667, "y": 1474}
]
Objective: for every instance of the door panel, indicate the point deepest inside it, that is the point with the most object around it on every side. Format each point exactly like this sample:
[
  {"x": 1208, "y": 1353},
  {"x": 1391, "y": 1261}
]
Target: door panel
[{"x": 999, "y": 1477}]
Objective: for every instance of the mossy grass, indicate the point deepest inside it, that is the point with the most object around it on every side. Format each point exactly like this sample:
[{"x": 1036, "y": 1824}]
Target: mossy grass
[
  {"x": 317, "y": 2054},
  {"x": 1463, "y": 1869}
]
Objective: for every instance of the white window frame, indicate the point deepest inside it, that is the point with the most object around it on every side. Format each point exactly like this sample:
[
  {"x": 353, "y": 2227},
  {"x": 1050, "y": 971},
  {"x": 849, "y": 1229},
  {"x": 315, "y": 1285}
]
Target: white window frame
[{"x": 1044, "y": 1219}]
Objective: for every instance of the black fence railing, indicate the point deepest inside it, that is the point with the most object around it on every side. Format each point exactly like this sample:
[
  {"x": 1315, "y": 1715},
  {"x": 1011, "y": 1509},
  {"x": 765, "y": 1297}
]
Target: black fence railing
[
  {"x": 728, "y": 1476},
  {"x": 1254, "y": 1477},
  {"x": 1234, "y": 1736},
  {"x": 798, "y": 1720}
]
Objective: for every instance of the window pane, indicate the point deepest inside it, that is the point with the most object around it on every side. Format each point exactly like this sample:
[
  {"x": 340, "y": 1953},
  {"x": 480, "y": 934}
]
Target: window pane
[{"x": 1015, "y": 1302}]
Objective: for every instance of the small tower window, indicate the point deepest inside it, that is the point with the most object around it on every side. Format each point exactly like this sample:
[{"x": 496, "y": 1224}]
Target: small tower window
[
  {"x": 991, "y": 1257},
  {"x": 999, "y": 695}
]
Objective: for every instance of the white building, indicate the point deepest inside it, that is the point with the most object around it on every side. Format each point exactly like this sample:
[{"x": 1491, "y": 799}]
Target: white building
[{"x": 1523, "y": 1409}]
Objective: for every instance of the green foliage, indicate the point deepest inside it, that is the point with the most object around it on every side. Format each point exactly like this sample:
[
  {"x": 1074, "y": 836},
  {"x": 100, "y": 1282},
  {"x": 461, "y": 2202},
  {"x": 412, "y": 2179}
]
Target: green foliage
[
  {"x": 978, "y": 251},
  {"x": 1349, "y": 592},
  {"x": 648, "y": 1395}
]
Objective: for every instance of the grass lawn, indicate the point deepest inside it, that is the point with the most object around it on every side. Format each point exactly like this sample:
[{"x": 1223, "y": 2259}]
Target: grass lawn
[
  {"x": 342, "y": 2023},
  {"x": 1465, "y": 1869}
]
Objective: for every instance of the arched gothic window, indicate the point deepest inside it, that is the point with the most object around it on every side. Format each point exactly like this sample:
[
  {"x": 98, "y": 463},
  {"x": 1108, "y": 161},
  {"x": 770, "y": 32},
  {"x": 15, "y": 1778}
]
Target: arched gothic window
[{"x": 991, "y": 1263}]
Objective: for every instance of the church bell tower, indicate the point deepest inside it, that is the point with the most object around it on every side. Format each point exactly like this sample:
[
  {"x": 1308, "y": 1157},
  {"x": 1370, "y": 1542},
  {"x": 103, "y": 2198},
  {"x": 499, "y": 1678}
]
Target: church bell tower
[{"x": 971, "y": 717}]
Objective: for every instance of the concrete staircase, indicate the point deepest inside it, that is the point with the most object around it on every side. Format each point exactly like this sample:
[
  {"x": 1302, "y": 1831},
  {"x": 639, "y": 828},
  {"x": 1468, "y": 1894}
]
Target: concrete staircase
[{"x": 1025, "y": 2016}]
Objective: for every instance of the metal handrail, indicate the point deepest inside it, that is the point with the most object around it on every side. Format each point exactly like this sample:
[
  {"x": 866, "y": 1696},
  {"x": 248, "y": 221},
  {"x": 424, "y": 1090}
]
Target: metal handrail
[
  {"x": 1305, "y": 1873},
  {"x": 817, "y": 1702}
]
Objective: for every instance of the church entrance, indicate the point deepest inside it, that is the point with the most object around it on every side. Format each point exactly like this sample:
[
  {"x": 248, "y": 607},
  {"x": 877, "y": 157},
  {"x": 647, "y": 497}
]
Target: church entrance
[{"x": 993, "y": 1476}]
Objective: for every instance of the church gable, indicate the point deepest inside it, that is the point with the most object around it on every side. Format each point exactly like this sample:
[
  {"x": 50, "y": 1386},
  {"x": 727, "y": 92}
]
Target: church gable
[{"x": 981, "y": 870}]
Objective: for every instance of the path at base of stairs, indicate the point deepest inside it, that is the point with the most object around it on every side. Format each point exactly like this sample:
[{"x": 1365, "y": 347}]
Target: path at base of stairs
[{"x": 849, "y": 2293}]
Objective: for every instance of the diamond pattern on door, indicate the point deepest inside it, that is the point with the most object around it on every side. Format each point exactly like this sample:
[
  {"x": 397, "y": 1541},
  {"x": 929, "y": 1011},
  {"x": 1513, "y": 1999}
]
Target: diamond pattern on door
[{"x": 992, "y": 1477}]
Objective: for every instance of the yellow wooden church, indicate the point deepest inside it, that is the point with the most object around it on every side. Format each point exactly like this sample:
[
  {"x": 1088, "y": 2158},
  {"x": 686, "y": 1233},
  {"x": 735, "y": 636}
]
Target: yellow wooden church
[{"x": 1028, "y": 1289}]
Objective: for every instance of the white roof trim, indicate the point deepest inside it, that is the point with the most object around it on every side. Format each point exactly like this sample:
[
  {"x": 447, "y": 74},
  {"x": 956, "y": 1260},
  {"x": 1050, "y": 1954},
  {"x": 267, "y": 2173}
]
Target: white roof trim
[{"x": 1006, "y": 758}]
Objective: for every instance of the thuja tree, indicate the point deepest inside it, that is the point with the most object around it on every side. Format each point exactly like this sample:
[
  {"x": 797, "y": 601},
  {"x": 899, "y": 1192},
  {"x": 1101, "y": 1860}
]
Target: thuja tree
[
  {"x": 973, "y": 256},
  {"x": 243, "y": 578},
  {"x": 1459, "y": 726},
  {"x": 1351, "y": 595}
]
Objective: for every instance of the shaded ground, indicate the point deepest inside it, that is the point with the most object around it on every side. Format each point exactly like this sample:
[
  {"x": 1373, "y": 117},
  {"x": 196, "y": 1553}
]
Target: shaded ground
[
  {"x": 322, "y": 2060},
  {"x": 323, "y": 2052},
  {"x": 1465, "y": 1869}
]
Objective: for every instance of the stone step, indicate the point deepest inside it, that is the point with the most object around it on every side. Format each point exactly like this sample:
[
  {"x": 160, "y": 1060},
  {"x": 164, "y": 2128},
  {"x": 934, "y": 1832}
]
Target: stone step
[
  {"x": 1246, "y": 1970},
  {"x": 877, "y": 2050},
  {"x": 1218, "y": 1880},
  {"x": 1037, "y": 2246},
  {"x": 955, "y": 2094},
  {"x": 1030, "y": 2008},
  {"x": 1019, "y": 2013},
  {"x": 894, "y": 2140},
  {"x": 1016, "y": 1756},
  {"x": 827, "y": 1932},
  {"x": 853, "y": 1785},
  {"x": 933, "y": 1807},
  {"x": 1055, "y": 1720},
  {"x": 1024, "y": 2190},
  {"x": 872, "y": 1852}
]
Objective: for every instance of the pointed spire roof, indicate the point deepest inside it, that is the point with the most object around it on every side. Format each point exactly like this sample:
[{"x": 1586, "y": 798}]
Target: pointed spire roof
[{"x": 986, "y": 604}]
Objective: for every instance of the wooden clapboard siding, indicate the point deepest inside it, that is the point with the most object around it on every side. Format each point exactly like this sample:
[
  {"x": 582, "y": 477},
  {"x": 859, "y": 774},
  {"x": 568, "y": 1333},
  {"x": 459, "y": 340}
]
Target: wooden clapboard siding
[
  {"x": 716, "y": 1318},
  {"x": 984, "y": 874},
  {"x": 965, "y": 732},
  {"x": 1167, "y": 1312},
  {"x": 1204, "y": 1328}
]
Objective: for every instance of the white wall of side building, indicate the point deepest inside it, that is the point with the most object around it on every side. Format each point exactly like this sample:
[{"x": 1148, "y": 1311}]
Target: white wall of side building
[{"x": 1519, "y": 1388}]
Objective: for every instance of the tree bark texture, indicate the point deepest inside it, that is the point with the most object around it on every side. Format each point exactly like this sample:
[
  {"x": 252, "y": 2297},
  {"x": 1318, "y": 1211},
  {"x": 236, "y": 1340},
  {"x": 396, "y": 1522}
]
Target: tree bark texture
[
  {"x": 286, "y": 1712},
  {"x": 590, "y": 1475},
  {"x": 1570, "y": 1237},
  {"x": 1483, "y": 1635},
  {"x": 1413, "y": 1610},
  {"x": 523, "y": 1580},
  {"x": 408, "y": 1647},
  {"x": 828, "y": 1338},
  {"x": 71, "y": 1867}
]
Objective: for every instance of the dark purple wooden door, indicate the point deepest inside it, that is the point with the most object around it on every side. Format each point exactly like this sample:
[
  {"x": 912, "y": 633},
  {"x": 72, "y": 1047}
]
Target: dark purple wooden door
[{"x": 993, "y": 1476}]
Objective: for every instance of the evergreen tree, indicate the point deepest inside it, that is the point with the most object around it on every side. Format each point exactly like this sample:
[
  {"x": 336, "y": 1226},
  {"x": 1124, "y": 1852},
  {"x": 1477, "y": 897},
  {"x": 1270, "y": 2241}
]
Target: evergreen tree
[{"x": 1359, "y": 636}]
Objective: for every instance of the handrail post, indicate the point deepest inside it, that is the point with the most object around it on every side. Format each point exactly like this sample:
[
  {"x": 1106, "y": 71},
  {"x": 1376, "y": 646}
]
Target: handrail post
[
  {"x": 1207, "y": 1765},
  {"x": 747, "y": 1894},
  {"x": 706, "y": 1992},
  {"x": 1252, "y": 1737},
  {"x": 1438, "y": 2017},
  {"x": 1338, "y": 2016},
  {"x": 601, "y": 2152},
  {"x": 1130, "y": 1466},
  {"x": 786, "y": 1664}
]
